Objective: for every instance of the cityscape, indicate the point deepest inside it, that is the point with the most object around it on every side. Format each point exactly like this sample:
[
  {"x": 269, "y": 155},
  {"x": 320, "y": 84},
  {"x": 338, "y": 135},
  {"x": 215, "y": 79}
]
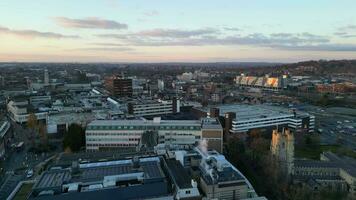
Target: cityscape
[{"x": 111, "y": 100}]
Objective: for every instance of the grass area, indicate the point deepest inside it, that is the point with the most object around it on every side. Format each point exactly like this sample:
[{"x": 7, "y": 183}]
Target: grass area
[
  {"x": 315, "y": 151},
  {"x": 23, "y": 192}
]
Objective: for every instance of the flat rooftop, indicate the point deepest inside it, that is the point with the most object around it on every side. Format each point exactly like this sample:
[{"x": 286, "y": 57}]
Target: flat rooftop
[
  {"x": 246, "y": 112},
  {"x": 145, "y": 123},
  {"x": 149, "y": 174},
  {"x": 179, "y": 175},
  {"x": 53, "y": 178},
  {"x": 211, "y": 123},
  {"x": 93, "y": 172}
]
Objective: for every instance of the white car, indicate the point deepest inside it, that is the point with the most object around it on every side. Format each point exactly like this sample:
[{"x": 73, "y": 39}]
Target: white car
[{"x": 29, "y": 173}]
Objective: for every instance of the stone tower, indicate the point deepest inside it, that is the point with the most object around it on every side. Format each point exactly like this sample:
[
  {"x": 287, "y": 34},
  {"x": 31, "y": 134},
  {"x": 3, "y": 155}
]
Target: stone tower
[{"x": 282, "y": 149}]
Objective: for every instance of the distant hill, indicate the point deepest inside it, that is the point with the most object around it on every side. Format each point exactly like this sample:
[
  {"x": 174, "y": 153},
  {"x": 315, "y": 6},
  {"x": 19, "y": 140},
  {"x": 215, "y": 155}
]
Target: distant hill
[{"x": 326, "y": 67}]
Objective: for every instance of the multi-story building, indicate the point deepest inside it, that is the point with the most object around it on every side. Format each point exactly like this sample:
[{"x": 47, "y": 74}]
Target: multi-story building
[
  {"x": 109, "y": 134},
  {"x": 5, "y": 134},
  {"x": 19, "y": 111},
  {"x": 166, "y": 174},
  {"x": 249, "y": 117},
  {"x": 218, "y": 178},
  {"x": 119, "y": 86},
  {"x": 153, "y": 107}
]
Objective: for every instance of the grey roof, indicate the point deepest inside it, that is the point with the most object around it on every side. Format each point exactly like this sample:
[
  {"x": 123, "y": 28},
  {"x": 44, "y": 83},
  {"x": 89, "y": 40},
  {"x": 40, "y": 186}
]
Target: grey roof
[
  {"x": 53, "y": 178},
  {"x": 155, "y": 189},
  {"x": 345, "y": 163},
  {"x": 248, "y": 112},
  {"x": 93, "y": 172},
  {"x": 178, "y": 173},
  {"x": 151, "y": 169},
  {"x": 211, "y": 123},
  {"x": 228, "y": 174},
  {"x": 315, "y": 164}
]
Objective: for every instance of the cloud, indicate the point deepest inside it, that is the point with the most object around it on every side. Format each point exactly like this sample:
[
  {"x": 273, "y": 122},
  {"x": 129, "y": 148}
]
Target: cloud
[
  {"x": 212, "y": 37},
  {"x": 89, "y": 23},
  {"x": 321, "y": 47},
  {"x": 113, "y": 36},
  {"x": 348, "y": 28},
  {"x": 35, "y": 34},
  {"x": 231, "y": 29},
  {"x": 151, "y": 13},
  {"x": 107, "y": 44},
  {"x": 344, "y": 35},
  {"x": 176, "y": 33},
  {"x": 117, "y": 49},
  {"x": 163, "y": 33}
]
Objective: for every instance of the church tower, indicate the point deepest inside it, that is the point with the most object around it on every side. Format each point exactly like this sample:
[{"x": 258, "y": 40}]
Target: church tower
[{"x": 282, "y": 149}]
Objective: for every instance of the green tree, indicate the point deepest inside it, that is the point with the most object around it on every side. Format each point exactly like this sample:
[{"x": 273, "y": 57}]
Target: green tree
[{"x": 74, "y": 138}]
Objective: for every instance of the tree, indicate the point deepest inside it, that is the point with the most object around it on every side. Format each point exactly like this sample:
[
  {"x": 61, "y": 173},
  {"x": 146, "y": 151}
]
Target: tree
[
  {"x": 74, "y": 138},
  {"x": 42, "y": 132},
  {"x": 32, "y": 121},
  {"x": 32, "y": 124}
]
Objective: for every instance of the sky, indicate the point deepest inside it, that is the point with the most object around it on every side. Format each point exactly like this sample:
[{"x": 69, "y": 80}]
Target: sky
[{"x": 177, "y": 30}]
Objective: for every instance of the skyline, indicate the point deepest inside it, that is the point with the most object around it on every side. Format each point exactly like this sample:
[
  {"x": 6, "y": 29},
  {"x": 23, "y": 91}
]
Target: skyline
[{"x": 179, "y": 31}]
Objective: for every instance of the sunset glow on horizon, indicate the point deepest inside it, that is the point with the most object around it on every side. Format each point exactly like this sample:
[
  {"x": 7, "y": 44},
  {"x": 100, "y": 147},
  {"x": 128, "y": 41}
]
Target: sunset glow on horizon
[{"x": 176, "y": 31}]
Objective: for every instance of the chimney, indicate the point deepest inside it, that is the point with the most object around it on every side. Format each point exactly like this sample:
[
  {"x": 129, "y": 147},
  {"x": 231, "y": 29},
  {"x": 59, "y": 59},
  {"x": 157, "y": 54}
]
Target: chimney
[
  {"x": 229, "y": 117},
  {"x": 135, "y": 162},
  {"x": 214, "y": 112}
]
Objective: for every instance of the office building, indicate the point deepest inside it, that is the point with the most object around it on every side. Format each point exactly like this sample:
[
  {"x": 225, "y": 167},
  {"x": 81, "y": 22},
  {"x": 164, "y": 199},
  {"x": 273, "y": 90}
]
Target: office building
[
  {"x": 5, "y": 134},
  {"x": 19, "y": 110},
  {"x": 119, "y": 86},
  {"x": 250, "y": 117},
  {"x": 110, "y": 134},
  {"x": 143, "y": 107}
]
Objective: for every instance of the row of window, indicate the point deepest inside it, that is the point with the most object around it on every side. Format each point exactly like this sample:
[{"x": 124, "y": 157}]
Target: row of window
[
  {"x": 143, "y": 127},
  {"x": 111, "y": 145},
  {"x": 112, "y": 139},
  {"x": 113, "y": 134}
]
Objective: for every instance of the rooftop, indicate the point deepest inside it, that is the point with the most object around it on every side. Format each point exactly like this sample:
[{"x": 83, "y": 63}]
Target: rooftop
[
  {"x": 179, "y": 175},
  {"x": 145, "y": 123},
  {"x": 106, "y": 178},
  {"x": 248, "y": 112}
]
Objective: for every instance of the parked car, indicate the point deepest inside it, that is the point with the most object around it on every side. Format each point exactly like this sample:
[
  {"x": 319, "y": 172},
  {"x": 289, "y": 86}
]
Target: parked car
[{"x": 29, "y": 173}]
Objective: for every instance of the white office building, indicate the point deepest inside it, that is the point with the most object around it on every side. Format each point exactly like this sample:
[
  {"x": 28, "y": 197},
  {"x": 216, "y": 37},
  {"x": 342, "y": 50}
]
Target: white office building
[
  {"x": 104, "y": 134},
  {"x": 142, "y": 108}
]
